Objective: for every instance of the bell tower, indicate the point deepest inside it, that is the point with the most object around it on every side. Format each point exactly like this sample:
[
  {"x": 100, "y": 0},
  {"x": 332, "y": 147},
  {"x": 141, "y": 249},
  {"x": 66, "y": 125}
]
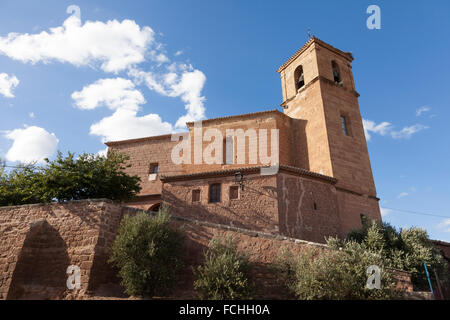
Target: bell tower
[{"x": 318, "y": 86}]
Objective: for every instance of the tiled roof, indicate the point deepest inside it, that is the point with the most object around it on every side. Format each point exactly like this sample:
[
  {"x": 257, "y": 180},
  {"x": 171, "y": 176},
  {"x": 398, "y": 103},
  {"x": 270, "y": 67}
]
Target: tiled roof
[
  {"x": 161, "y": 137},
  {"x": 248, "y": 170}
]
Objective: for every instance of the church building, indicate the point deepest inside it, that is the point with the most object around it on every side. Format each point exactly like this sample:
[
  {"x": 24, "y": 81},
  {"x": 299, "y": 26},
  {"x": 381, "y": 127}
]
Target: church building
[{"x": 323, "y": 184}]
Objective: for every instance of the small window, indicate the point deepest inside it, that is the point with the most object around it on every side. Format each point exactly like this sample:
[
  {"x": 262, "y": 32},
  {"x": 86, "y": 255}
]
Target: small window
[
  {"x": 299, "y": 78},
  {"x": 196, "y": 195},
  {"x": 152, "y": 172},
  {"x": 315, "y": 205},
  {"x": 228, "y": 150},
  {"x": 214, "y": 192},
  {"x": 153, "y": 168},
  {"x": 234, "y": 192},
  {"x": 344, "y": 125},
  {"x": 336, "y": 72},
  {"x": 364, "y": 219}
]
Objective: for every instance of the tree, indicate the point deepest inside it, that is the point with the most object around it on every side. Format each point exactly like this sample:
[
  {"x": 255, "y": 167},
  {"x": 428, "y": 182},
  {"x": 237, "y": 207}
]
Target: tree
[
  {"x": 21, "y": 186},
  {"x": 69, "y": 178},
  {"x": 148, "y": 253},
  {"x": 225, "y": 273},
  {"x": 405, "y": 249}
]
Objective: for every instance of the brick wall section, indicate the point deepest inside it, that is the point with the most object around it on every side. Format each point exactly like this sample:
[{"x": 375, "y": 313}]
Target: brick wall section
[
  {"x": 444, "y": 248},
  {"x": 351, "y": 206},
  {"x": 39, "y": 242},
  {"x": 144, "y": 152},
  {"x": 43, "y": 240},
  {"x": 308, "y": 208},
  {"x": 261, "y": 120},
  {"x": 256, "y": 208},
  {"x": 285, "y": 203},
  {"x": 262, "y": 249}
]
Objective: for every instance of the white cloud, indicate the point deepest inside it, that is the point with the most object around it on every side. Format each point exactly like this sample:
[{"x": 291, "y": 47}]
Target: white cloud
[
  {"x": 445, "y": 224},
  {"x": 178, "y": 53},
  {"x": 112, "y": 93},
  {"x": 370, "y": 126},
  {"x": 386, "y": 128},
  {"x": 8, "y": 84},
  {"x": 125, "y": 124},
  {"x": 103, "y": 152},
  {"x": 385, "y": 212},
  {"x": 422, "y": 110},
  {"x": 31, "y": 144},
  {"x": 31, "y": 115},
  {"x": 181, "y": 81},
  {"x": 407, "y": 132},
  {"x": 121, "y": 96},
  {"x": 114, "y": 45},
  {"x": 403, "y": 194}
]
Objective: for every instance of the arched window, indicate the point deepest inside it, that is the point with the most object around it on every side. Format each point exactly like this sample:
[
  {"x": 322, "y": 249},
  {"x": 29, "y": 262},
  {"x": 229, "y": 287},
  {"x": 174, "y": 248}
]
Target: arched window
[
  {"x": 336, "y": 72},
  {"x": 299, "y": 78}
]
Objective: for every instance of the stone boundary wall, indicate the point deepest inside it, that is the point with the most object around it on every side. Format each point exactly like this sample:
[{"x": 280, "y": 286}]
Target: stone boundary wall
[{"x": 38, "y": 243}]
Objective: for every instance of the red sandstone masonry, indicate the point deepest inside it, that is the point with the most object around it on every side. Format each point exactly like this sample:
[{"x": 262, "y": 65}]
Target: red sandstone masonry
[
  {"x": 38, "y": 243},
  {"x": 80, "y": 233}
]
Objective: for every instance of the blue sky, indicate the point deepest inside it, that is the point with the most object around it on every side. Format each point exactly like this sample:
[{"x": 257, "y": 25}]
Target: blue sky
[{"x": 182, "y": 60}]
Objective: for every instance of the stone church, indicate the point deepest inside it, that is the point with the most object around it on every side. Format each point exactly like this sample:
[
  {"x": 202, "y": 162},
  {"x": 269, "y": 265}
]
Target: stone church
[{"x": 324, "y": 184}]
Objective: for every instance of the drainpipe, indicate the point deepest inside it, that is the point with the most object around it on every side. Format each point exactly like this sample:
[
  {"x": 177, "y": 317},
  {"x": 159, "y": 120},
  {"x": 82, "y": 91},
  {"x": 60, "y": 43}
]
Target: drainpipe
[{"x": 428, "y": 277}]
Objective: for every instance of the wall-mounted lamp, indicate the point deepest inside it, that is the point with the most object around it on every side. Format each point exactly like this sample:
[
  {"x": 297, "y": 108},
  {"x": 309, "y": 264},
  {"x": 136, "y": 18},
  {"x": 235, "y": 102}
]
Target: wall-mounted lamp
[{"x": 239, "y": 178}]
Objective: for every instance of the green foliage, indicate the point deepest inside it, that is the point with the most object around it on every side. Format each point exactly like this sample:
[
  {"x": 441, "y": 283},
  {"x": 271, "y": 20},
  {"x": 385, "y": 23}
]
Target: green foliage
[
  {"x": 336, "y": 274},
  {"x": 69, "y": 178},
  {"x": 21, "y": 186},
  {"x": 225, "y": 274},
  {"x": 148, "y": 253},
  {"x": 406, "y": 249}
]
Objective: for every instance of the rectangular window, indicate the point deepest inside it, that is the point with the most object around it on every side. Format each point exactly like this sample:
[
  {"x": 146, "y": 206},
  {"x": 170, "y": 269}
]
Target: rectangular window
[
  {"x": 344, "y": 123},
  {"x": 196, "y": 195},
  {"x": 214, "y": 192},
  {"x": 228, "y": 150},
  {"x": 153, "y": 168},
  {"x": 152, "y": 171},
  {"x": 364, "y": 219},
  {"x": 234, "y": 192}
]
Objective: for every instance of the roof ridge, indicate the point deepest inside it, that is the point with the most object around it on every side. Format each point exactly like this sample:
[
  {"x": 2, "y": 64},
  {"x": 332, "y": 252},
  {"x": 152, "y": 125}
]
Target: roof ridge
[{"x": 239, "y": 115}]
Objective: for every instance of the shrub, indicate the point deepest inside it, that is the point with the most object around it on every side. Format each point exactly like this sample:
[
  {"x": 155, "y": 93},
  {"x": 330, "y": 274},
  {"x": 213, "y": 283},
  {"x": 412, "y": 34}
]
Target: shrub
[
  {"x": 406, "y": 249},
  {"x": 147, "y": 252},
  {"x": 225, "y": 272},
  {"x": 333, "y": 274}
]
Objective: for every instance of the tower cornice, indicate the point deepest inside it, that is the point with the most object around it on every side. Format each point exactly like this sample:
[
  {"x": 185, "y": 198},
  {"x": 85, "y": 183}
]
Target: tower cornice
[{"x": 346, "y": 55}]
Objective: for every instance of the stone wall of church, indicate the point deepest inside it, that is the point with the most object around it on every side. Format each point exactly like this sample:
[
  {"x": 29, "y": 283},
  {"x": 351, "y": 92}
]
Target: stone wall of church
[
  {"x": 144, "y": 152},
  {"x": 352, "y": 206},
  {"x": 308, "y": 208},
  {"x": 251, "y": 146},
  {"x": 285, "y": 203},
  {"x": 256, "y": 207}
]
